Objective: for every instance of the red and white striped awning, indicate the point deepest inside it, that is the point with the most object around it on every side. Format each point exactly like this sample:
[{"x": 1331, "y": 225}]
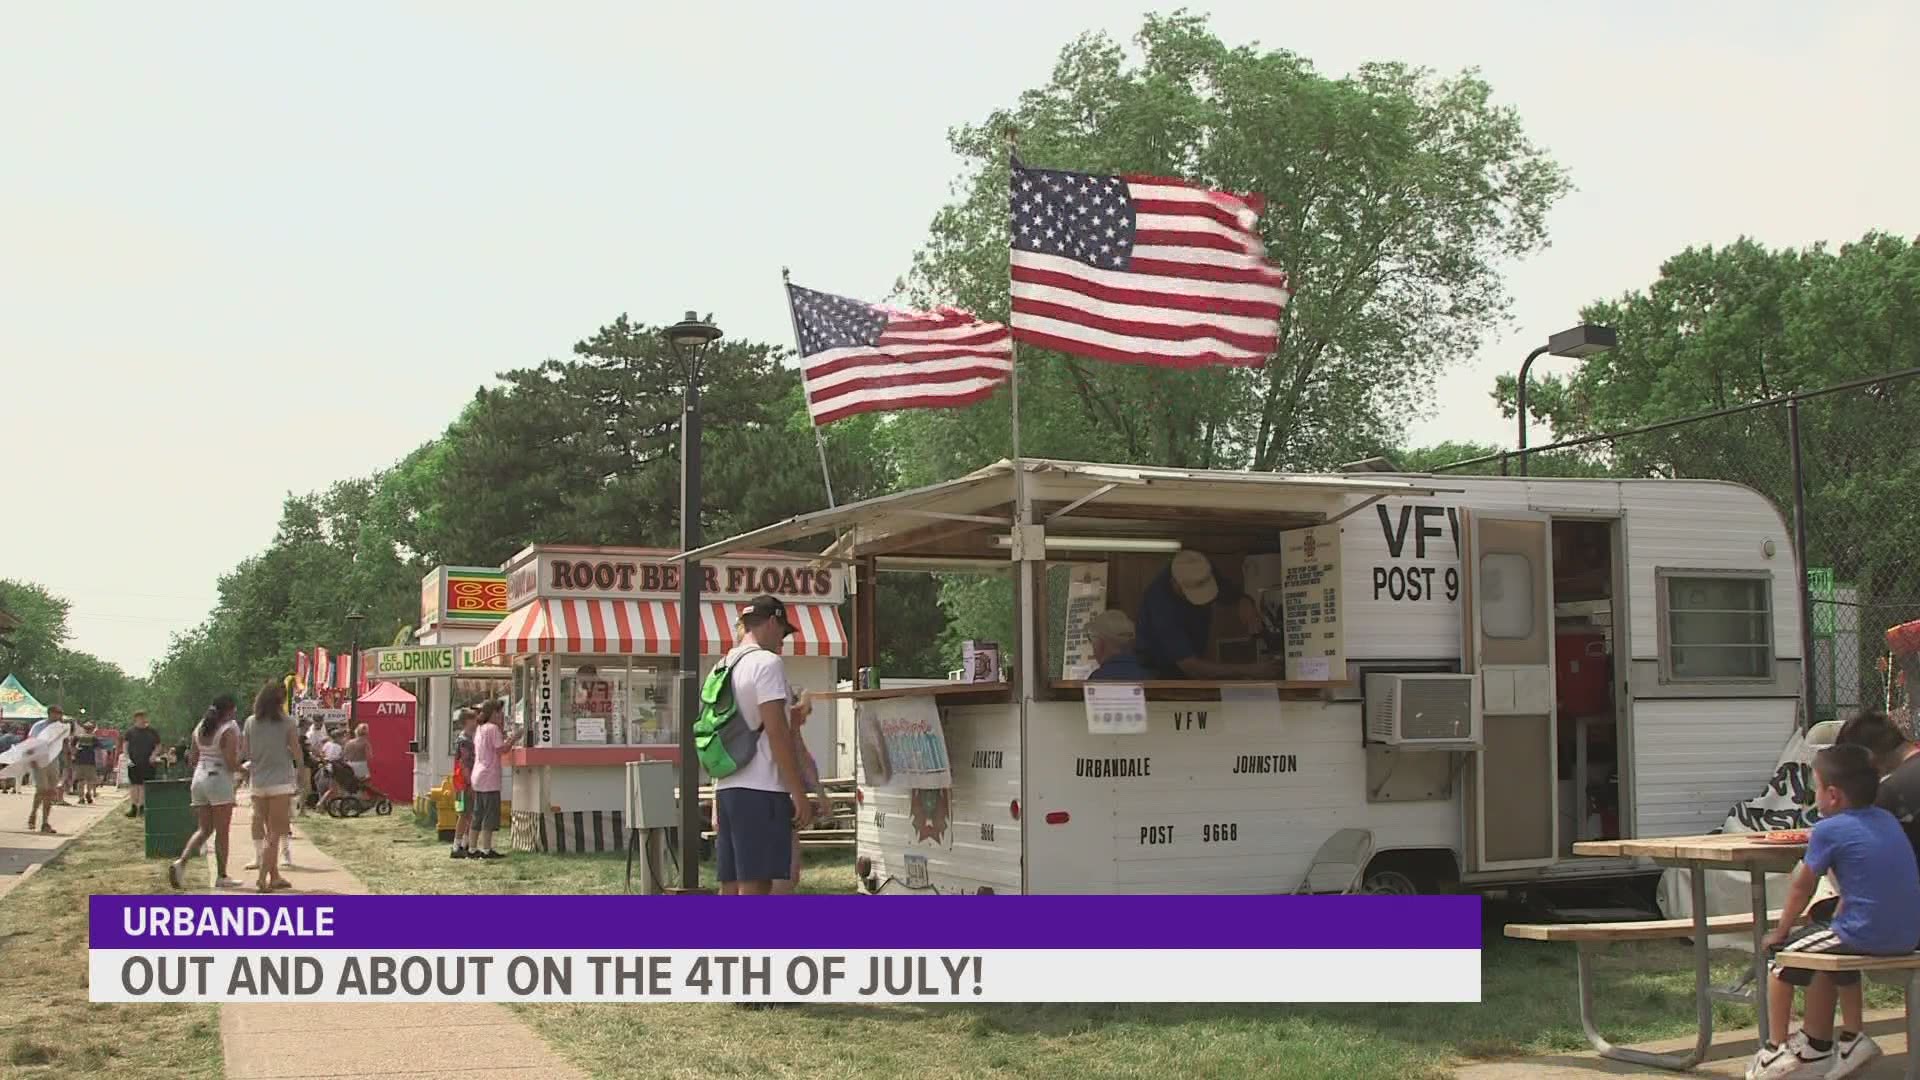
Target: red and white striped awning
[{"x": 644, "y": 628}]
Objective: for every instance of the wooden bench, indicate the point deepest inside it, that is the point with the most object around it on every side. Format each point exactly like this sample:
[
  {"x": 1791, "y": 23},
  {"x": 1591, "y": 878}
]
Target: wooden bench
[
  {"x": 1589, "y": 937},
  {"x": 1650, "y": 930},
  {"x": 1905, "y": 969}
]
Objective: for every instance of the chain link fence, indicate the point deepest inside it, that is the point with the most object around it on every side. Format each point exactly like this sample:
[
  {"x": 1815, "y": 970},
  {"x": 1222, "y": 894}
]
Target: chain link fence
[{"x": 1859, "y": 484}]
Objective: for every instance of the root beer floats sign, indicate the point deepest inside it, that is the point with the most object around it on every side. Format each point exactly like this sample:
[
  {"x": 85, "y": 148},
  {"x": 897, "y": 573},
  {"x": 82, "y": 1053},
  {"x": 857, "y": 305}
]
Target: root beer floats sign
[{"x": 635, "y": 573}]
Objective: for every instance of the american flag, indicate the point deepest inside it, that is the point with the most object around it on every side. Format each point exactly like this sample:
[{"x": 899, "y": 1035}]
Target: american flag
[
  {"x": 1141, "y": 270},
  {"x": 857, "y": 357}
]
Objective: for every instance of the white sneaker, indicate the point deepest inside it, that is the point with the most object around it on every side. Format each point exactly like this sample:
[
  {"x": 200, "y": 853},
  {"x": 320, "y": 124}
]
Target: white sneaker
[
  {"x": 1850, "y": 1056},
  {"x": 225, "y": 883},
  {"x": 1793, "y": 1058}
]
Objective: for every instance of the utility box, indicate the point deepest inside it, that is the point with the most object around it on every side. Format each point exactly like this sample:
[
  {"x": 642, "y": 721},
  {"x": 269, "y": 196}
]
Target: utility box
[{"x": 650, "y": 795}]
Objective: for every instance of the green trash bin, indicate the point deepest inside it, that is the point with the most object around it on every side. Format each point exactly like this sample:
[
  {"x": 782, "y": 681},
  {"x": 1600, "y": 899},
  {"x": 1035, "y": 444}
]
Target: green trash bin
[{"x": 169, "y": 818}]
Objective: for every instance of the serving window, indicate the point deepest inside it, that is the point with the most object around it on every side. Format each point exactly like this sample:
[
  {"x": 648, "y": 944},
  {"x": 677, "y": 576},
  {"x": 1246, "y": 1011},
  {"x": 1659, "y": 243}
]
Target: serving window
[
  {"x": 599, "y": 700},
  {"x": 614, "y": 701},
  {"x": 1104, "y": 553}
]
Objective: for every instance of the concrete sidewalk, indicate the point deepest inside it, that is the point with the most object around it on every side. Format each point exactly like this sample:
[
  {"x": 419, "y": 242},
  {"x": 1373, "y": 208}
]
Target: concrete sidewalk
[
  {"x": 23, "y": 853},
  {"x": 1728, "y": 1057},
  {"x": 362, "y": 1042}
]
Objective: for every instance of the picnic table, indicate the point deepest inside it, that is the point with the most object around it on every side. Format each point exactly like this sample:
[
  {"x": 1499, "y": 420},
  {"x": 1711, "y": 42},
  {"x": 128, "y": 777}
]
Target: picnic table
[{"x": 1698, "y": 855}]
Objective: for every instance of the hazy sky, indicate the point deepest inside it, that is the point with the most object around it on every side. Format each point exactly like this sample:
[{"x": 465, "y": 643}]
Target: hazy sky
[{"x": 246, "y": 252}]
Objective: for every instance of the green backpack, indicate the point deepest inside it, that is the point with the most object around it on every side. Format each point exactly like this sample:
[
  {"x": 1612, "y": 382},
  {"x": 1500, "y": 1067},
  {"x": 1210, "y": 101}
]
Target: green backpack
[{"x": 722, "y": 738}]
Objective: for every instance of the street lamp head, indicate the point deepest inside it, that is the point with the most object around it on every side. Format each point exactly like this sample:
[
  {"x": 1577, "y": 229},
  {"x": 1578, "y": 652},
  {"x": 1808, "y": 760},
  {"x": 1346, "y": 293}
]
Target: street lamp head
[
  {"x": 354, "y": 618},
  {"x": 1582, "y": 341},
  {"x": 691, "y": 334}
]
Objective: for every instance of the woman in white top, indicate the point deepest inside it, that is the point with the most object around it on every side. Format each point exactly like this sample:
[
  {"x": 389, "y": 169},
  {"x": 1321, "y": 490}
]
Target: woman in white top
[{"x": 216, "y": 760}]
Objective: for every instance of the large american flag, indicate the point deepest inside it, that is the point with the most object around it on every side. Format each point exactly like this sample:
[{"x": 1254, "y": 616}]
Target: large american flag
[
  {"x": 1141, "y": 270},
  {"x": 857, "y": 357}
]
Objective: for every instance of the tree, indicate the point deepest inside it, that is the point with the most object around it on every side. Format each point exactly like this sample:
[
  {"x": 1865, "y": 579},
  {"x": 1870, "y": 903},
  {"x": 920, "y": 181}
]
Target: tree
[
  {"x": 36, "y": 652},
  {"x": 579, "y": 451},
  {"x": 1744, "y": 323},
  {"x": 1395, "y": 196}
]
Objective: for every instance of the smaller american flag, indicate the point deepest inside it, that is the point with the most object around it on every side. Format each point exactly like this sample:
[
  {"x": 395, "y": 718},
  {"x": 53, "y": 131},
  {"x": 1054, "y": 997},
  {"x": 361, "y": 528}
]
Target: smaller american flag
[{"x": 857, "y": 357}]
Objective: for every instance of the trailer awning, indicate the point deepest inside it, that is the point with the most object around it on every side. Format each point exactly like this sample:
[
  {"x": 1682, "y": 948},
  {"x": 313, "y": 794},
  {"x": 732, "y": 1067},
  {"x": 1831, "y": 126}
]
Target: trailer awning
[
  {"x": 985, "y": 497},
  {"x": 644, "y": 628}
]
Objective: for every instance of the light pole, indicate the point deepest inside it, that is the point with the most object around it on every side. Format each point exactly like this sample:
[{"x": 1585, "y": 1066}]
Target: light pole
[
  {"x": 689, "y": 338},
  {"x": 354, "y": 619},
  {"x": 61, "y": 700},
  {"x": 1580, "y": 342}
]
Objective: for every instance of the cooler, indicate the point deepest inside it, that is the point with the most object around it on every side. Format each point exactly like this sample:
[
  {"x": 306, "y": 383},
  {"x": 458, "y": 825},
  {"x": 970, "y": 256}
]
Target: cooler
[{"x": 1581, "y": 672}]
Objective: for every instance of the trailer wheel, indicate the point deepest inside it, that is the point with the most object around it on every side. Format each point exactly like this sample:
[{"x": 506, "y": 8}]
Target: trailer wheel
[
  {"x": 1409, "y": 873},
  {"x": 1390, "y": 881}
]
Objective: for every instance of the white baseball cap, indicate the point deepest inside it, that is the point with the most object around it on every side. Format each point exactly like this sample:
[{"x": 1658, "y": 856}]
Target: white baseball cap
[{"x": 1193, "y": 577}]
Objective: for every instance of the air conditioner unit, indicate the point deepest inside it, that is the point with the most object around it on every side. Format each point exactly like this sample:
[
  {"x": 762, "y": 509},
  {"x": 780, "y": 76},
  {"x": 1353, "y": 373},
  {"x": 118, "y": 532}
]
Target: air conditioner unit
[
  {"x": 1423, "y": 711},
  {"x": 651, "y": 801}
]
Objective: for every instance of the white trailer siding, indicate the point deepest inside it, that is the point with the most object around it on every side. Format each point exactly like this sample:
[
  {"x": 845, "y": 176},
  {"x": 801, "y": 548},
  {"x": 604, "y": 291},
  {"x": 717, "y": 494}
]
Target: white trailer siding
[
  {"x": 1401, "y": 560},
  {"x": 1704, "y": 525},
  {"x": 1694, "y": 759},
  {"x": 1215, "y": 798},
  {"x": 980, "y": 843}
]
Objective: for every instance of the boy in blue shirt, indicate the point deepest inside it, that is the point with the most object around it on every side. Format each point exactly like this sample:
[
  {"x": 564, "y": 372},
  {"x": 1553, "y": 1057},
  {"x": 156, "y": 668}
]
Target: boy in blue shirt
[{"x": 1865, "y": 849}]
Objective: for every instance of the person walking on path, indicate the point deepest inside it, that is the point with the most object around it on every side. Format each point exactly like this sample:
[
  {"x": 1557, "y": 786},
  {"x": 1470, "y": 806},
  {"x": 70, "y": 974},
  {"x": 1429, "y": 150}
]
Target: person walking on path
[
  {"x": 762, "y": 805},
  {"x": 86, "y": 764},
  {"x": 46, "y": 778},
  {"x": 142, "y": 742},
  {"x": 272, "y": 747},
  {"x": 489, "y": 745},
  {"x": 216, "y": 766},
  {"x": 463, "y": 781}
]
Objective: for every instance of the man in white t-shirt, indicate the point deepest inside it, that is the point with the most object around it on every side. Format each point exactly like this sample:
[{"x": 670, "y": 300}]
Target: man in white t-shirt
[{"x": 763, "y": 804}]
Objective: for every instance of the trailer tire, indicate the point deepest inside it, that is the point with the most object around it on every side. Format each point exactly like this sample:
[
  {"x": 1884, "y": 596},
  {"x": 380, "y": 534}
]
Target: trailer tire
[{"x": 1409, "y": 873}]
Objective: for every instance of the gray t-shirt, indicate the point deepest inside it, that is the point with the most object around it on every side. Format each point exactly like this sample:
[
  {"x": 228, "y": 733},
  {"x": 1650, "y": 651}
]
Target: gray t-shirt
[{"x": 267, "y": 750}]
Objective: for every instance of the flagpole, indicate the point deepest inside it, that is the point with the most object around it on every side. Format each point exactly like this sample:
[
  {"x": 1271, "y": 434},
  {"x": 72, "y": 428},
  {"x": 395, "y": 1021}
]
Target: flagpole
[
  {"x": 1029, "y": 564},
  {"x": 819, "y": 441}
]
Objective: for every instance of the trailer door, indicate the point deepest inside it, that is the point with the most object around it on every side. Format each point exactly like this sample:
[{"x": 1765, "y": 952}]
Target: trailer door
[{"x": 1513, "y": 790}]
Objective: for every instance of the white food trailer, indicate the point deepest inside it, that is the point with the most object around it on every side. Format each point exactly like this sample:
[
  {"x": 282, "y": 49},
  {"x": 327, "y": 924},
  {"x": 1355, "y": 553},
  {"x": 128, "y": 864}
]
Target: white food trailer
[{"x": 1611, "y": 657}]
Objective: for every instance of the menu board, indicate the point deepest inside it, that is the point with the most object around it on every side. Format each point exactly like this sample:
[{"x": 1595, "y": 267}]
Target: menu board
[
  {"x": 1310, "y": 603},
  {"x": 1086, "y": 597}
]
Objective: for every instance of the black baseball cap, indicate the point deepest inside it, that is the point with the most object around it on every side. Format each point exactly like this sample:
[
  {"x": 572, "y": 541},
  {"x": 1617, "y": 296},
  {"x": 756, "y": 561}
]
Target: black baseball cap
[{"x": 765, "y": 607}]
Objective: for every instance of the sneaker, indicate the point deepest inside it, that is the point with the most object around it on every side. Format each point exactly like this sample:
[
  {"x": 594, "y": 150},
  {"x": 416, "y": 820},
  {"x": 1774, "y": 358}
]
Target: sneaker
[
  {"x": 176, "y": 870},
  {"x": 133, "y": 811},
  {"x": 47, "y": 830},
  {"x": 1793, "y": 1058},
  {"x": 461, "y": 853},
  {"x": 225, "y": 883},
  {"x": 1852, "y": 1055},
  {"x": 491, "y": 854}
]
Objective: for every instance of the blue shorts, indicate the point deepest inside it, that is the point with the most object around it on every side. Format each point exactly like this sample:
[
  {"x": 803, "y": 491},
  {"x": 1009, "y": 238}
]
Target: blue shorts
[{"x": 753, "y": 835}]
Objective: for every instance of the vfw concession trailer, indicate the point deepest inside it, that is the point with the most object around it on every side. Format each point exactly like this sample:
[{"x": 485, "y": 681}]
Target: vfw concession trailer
[{"x": 1479, "y": 671}]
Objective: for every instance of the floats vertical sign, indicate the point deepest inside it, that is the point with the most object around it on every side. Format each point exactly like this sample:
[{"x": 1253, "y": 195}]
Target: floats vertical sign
[{"x": 546, "y": 701}]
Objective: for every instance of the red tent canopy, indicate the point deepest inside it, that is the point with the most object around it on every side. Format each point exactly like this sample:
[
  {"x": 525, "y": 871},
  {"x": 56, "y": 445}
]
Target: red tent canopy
[{"x": 389, "y": 713}]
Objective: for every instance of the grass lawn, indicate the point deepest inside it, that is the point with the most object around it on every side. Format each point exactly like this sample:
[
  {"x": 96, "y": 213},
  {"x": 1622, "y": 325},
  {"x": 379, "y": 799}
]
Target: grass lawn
[
  {"x": 51, "y": 1028},
  {"x": 1646, "y": 993}
]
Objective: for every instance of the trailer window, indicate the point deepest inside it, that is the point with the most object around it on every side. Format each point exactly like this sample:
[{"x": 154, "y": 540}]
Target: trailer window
[
  {"x": 1716, "y": 626},
  {"x": 1506, "y": 595}
]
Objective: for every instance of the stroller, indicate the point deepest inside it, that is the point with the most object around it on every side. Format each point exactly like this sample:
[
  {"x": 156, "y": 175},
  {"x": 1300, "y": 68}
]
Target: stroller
[{"x": 354, "y": 796}]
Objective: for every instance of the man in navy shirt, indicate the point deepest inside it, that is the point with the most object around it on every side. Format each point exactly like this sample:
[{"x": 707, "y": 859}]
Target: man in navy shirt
[
  {"x": 1176, "y": 623},
  {"x": 1113, "y": 637}
]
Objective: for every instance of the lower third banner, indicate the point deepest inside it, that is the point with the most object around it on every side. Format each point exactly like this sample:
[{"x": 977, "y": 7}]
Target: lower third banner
[{"x": 824, "y": 948}]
